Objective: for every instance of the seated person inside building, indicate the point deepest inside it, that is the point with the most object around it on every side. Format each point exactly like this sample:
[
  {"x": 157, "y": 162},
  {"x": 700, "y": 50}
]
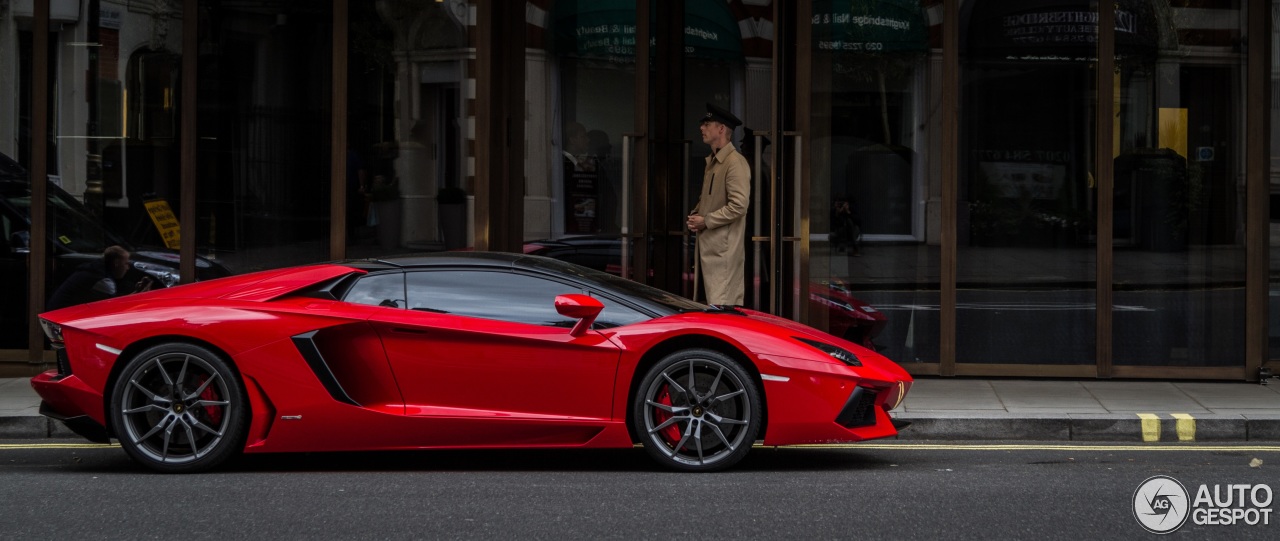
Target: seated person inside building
[{"x": 98, "y": 280}]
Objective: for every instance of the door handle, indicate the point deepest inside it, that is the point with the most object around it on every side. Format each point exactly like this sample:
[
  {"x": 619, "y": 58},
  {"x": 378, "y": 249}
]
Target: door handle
[{"x": 406, "y": 330}]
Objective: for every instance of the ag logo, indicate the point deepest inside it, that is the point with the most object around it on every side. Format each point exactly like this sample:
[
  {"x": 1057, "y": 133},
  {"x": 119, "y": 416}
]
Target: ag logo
[{"x": 1161, "y": 504}]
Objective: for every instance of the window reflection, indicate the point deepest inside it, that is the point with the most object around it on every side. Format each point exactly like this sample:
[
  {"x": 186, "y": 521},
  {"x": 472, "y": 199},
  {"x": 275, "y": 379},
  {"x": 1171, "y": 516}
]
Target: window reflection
[
  {"x": 874, "y": 261},
  {"x": 1179, "y": 257},
  {"x": 1026, "y": 265},
  {"x": 407, "y": 178},
  {"x": 379, "y": 290},
  {"x": 491, "y": 295}
]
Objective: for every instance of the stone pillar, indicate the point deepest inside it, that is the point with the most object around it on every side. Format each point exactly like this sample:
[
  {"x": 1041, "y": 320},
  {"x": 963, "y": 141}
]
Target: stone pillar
[{"x": 418, "y": 196}]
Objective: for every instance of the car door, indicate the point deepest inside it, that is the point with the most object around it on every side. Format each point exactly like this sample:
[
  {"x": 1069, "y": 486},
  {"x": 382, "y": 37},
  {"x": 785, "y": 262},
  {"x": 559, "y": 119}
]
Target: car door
[{"x": 489, "y": 344}]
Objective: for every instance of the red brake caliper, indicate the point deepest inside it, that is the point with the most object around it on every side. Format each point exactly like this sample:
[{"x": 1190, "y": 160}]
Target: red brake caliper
[
  {"x": 671, "y": 433},
  {"x": 214, "y": 412}
]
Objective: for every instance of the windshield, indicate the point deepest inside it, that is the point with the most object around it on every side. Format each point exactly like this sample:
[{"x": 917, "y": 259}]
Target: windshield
[
  {"x": 652, "y": 295},
  {"x": 70, "y": 225}
]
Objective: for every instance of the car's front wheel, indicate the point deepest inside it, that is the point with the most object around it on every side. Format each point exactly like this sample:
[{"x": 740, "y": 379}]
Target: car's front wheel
[
  {"x": 697, "y": 410},
  {"x": 179, "y": 408}
]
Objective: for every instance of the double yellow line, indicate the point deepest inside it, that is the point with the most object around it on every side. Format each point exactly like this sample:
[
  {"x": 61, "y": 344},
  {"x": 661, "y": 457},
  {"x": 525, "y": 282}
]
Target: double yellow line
[
  {"x": 13, "y": 446},
  {"x": 905, "y": 446},
  {"x": 902, "y": 445},
  {"x": 1185, "y": 425}
]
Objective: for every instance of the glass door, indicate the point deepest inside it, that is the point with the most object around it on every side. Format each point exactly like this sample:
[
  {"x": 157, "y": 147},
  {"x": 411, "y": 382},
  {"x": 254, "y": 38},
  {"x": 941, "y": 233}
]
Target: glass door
[{"x": 627, "y": 82}]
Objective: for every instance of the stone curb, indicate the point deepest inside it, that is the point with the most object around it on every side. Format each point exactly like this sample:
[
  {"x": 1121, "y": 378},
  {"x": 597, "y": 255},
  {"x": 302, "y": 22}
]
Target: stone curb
[
  {"x": 1091, "y": 427},
  {"x": 949, "y": 426},
  {"x": 24, "y": 427}
]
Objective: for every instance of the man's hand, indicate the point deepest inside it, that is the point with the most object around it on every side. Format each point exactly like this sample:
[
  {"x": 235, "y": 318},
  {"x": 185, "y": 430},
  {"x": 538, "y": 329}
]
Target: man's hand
[{"x": 696, "y": 223}]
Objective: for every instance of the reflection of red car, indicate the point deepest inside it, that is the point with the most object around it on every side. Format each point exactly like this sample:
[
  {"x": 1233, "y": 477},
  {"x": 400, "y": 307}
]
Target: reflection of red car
[
  {"x": 454, "y": 350},
  {"x": 847, "y": 316}
]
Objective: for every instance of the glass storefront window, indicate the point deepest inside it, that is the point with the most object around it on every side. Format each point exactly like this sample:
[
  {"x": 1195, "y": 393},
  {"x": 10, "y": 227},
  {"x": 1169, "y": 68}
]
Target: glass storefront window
[
  {"x": 15, "y": 162},
  {"x": 263, "y": 132},
  {"x": 1273, "y": 304},
  {"x": 583, "y": 79},
  {"x": 112, "y": 141},
  {"x": 1026, "y": 255},
  {"x": 874, "y": 182},
  {"x": 1179, "y": 187},
  {"x": 410, "y": 164}
]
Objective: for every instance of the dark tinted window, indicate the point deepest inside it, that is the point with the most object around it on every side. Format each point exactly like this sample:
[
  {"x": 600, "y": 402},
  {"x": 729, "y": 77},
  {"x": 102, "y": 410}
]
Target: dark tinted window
[
  {"x": 671, "y": 301},
  {"x": 616, "y": 315},
  {"x": 492, "y": 295},
  {"x": 379, "y": 290},
  {"x": 505, "y": 296}
]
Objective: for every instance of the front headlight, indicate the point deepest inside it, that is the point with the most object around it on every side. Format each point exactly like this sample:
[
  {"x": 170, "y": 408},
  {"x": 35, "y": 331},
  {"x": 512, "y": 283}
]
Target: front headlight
[
  {"x": 52, "y": 330},
  {"x": 835, "y": 302},
  {"x": 167, "y": 275},
  {"x": 836, "y": 352}
]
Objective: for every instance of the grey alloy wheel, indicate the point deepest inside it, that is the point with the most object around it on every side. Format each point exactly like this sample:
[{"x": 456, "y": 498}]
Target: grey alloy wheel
[
  {"x": 697, "y": 410},
  {"x": 179, "y": 408}
]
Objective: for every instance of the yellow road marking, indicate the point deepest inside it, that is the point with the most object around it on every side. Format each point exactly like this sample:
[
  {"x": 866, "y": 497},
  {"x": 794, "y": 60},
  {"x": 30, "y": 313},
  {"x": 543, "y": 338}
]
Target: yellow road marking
[
  {"x": 1027, "y": 447},
  {"x": 855, "y": 446},
  {"x": 11, "y": 446},
  {"x": 1150, "y": 426},
  {"x": 1186, "y": 426}
]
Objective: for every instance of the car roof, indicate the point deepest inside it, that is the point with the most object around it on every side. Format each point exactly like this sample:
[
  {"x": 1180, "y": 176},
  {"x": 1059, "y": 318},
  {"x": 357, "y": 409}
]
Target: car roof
[
  {"x": 437, "y": 259},
  {"x": 494, "y": 260}
]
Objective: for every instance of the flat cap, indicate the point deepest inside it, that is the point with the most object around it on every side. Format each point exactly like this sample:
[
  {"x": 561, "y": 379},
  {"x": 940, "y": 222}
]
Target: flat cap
[{"x": 716, "y": 114}]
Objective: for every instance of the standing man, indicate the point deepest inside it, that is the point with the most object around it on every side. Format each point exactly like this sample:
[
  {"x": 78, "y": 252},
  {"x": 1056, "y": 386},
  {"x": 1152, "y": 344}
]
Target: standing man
[{"x": 719, "y": 218}]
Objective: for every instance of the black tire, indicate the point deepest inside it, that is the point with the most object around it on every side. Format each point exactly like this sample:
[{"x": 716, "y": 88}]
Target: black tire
[
  {"x": 697, "y": 410},
  {"x": 179, "y": 408}
]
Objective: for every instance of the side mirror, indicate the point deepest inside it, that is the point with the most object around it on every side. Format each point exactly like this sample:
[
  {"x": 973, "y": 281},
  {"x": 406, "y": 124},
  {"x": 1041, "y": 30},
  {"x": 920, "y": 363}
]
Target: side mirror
[{"x": 580, "y": 307}]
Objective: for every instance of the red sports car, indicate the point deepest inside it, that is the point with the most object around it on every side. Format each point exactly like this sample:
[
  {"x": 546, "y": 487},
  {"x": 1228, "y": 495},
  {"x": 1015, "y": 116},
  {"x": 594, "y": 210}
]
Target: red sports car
[{"x": 456, "y": 350}]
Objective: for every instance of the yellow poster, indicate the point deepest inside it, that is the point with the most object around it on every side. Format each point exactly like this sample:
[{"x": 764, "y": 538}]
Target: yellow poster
[
  {"x": 1173, "y": 129},
  {"x": 166, "y": 223}
]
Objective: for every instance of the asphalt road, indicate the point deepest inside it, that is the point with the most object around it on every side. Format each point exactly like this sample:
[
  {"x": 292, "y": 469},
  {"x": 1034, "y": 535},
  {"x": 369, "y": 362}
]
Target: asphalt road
[{"x": 65, "y": 490}]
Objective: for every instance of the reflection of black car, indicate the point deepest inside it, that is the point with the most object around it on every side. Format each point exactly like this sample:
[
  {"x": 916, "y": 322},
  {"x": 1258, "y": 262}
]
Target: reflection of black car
[{"x": 74, "y": 237}]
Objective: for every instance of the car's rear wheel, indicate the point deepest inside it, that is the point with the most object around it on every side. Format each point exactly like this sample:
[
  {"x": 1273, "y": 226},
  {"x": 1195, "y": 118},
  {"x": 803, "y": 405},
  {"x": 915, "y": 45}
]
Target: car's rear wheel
[
  {"x": 697, "y": 410},
  {"x": 179, "y": 408}
]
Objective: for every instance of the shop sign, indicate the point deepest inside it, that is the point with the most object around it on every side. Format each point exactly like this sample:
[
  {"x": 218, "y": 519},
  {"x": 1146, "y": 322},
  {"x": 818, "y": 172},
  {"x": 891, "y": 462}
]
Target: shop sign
[{"x": 166, "y": 223}]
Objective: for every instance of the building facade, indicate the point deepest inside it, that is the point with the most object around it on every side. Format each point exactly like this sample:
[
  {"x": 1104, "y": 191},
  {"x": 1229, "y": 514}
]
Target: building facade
[{"x": 1020, "y": 188}]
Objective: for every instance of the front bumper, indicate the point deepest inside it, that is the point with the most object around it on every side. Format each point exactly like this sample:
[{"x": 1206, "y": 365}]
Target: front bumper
[
  {"x": 815, "y": 402},
  {"x": 83, "y": 425},
  {"x": 69, "y": 400}
]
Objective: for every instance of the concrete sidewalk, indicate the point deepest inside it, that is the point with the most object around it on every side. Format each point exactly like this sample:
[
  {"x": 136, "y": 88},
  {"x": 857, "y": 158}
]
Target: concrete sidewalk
[
  {"x": 974, "y": 409},
  {"x": 1091, "y": 410}
]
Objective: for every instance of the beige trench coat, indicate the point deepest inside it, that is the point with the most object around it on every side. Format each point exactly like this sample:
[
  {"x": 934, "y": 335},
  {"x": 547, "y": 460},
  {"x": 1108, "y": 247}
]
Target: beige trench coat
[{"x": 726, "y": 192}]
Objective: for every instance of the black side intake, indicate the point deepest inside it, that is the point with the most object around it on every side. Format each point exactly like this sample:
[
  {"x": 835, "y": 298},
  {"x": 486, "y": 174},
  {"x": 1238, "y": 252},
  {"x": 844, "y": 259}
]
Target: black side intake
[
  {"x": 860, "y": 410},
  {"x": 64, "y": 362}
]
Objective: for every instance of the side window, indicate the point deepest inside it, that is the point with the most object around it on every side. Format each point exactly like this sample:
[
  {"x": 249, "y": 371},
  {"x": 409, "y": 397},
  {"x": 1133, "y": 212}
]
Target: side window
[
  {"x": 379, "y": 290},
  {"x": 502, "y": 296},
  {"x": 616, "y": 315}
]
